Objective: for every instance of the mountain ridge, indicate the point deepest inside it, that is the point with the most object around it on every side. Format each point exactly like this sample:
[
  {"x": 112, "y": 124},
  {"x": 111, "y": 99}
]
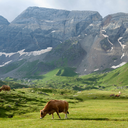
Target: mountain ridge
[{"x": 79, "y": 39}]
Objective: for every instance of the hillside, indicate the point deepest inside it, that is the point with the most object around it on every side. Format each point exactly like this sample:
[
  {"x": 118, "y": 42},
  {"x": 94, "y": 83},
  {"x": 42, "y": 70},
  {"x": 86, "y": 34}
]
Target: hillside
[
  {"x": 28, "y": 100},
  {"x": 66, "y": 78},
  {"x": 116, "y": 78},
  {"x": 40, "y": 40},
  {"x": 38, "y": 28}
]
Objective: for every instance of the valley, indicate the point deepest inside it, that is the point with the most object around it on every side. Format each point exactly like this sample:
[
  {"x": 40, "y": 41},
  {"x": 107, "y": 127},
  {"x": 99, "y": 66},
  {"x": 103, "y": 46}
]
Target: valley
[
  {"x": 21, "y": 108},
  {"x": 77, "y": 56}
]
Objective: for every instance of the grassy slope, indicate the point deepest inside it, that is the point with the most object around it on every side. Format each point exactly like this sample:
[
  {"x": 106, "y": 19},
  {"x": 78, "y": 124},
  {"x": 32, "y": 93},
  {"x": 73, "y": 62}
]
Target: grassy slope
[
  {"x": 66, "y": 71},
  {"x": 12, "y": 83},
  {"x": 20, "y": 101},
  {"x": 103, "y": 111},
  {"x": 12, "y": 66},
  {"x": 57, "y": 78},
  {"x": 66, "y": 78},
  {"x": 97, "y": 113},
  {"x": 117, "y": 76},
  {"x": 90, "y": 108},
  {"x": 112, "y": 79}
]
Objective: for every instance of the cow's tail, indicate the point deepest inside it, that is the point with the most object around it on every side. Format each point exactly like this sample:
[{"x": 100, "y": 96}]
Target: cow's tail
[{"x": 67, "y": 112}]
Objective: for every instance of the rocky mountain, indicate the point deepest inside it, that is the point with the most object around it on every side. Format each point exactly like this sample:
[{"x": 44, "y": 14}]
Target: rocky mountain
[
  {"x": 3, "y": 21},
  {"x": 39, "y": 28},
  {"x": 43, "y": 39}
]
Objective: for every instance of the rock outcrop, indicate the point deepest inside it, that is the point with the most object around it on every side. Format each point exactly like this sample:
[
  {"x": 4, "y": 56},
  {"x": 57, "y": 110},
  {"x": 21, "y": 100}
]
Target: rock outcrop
[
  {"x": 80, "y": 39},
  {"x": 109, "y": 46},
  {"x": 39, "y": 28},
  {"x": 3, "y": 21}
]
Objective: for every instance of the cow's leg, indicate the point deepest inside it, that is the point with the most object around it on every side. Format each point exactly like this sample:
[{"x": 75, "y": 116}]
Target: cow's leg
[
  {"x": 58, "y": 114},
  {"x": 52, "y": 116},
  {"x": 66, "y": 116}
]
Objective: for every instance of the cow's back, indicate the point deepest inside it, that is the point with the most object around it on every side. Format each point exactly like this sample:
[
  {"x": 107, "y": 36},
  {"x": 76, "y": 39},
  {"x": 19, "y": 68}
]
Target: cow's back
[
  {"x": 62, "y": 105},
  {"x": 5, "y": 88},
  {"x": 57, "y": 104}
]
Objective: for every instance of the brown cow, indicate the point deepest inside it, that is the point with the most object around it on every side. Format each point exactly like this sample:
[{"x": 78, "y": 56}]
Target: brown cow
[
  {"x": 117, "y": 95},
  {"x": 112, "y": 95},
  {"x": 5, "y": 88},
  {"x": 55, "y": 106}
]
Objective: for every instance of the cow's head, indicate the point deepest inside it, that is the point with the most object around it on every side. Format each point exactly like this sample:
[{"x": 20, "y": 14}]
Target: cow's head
[{"x": 42, "y": 114}]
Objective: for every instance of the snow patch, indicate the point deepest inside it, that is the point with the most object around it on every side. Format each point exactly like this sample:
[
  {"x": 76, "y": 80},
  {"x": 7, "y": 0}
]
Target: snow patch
[
  {"x": 105, "y": 35},
  {"x": 34, "y": 53},
  {"x": 53, "y": 31},
  {"x": 21, "y": 52},
  {"x": 121, "y": 43},
  {"x": 5, "y": 63},
  {"x": 91, "y": 25},
  {"x": 103, "y": 30},
  {"x": 109, "y": 41},
  {"x": 96, "y": 70},
  {"x": 6, "y": 54},
  {"x": 111, "y": 48},
  {"x": 49, "y": 21},
  {"x": 123, "y": 63},
  {"x": 122, "y": 56}
]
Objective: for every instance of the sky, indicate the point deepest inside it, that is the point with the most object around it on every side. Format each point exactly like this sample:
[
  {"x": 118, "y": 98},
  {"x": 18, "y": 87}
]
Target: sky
[{"x": 10, "y": 9}]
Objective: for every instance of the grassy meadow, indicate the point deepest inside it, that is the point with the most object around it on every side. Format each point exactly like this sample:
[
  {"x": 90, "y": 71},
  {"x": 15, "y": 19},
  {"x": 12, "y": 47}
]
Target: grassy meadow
[
  {"x": 66, "y": 78},
  {"x": 87, "y": 109},
  {"x": 90, "y": 103}
]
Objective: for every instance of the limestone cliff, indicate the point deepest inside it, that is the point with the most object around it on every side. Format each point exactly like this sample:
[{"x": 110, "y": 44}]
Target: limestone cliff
[
  {"x": 80, "y": 39},
  {"x": 38, "y": 28}
]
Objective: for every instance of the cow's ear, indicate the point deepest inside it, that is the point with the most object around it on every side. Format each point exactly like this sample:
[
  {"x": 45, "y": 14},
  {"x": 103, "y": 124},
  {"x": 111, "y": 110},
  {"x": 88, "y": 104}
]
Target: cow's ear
[{"x": 41, "y": 111}]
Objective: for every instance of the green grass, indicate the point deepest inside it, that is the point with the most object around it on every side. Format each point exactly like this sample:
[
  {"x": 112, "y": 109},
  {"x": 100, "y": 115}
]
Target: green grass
[
  {"x": 66, "y": 78},
  {"x": 87, "y": 109},
  {"x": 91, "y": 107},
  {"x": 87, "y": 114},
  {"x": 116, "y": 77},
  {"x": 11, "y": 66},
  {"x": 21, "y": 101},
  {"x": 66, "y": 71}
]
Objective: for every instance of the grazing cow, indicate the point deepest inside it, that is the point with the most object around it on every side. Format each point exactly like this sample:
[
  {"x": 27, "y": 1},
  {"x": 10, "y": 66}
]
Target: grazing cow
[
  {"x": 119, "y": 92},
  {"x": 55, "y": 106},
  {"x": 117, "y": 95},
  {"x": 112, "y": 95},
  {"x": 5, "y": 88}
]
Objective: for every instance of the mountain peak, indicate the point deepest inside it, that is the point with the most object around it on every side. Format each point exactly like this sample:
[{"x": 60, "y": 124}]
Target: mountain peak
[
  {"x": 42, "y": 13},
  {"x": 81, "y": 39},
  {"x": 3, "y": 21}
]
